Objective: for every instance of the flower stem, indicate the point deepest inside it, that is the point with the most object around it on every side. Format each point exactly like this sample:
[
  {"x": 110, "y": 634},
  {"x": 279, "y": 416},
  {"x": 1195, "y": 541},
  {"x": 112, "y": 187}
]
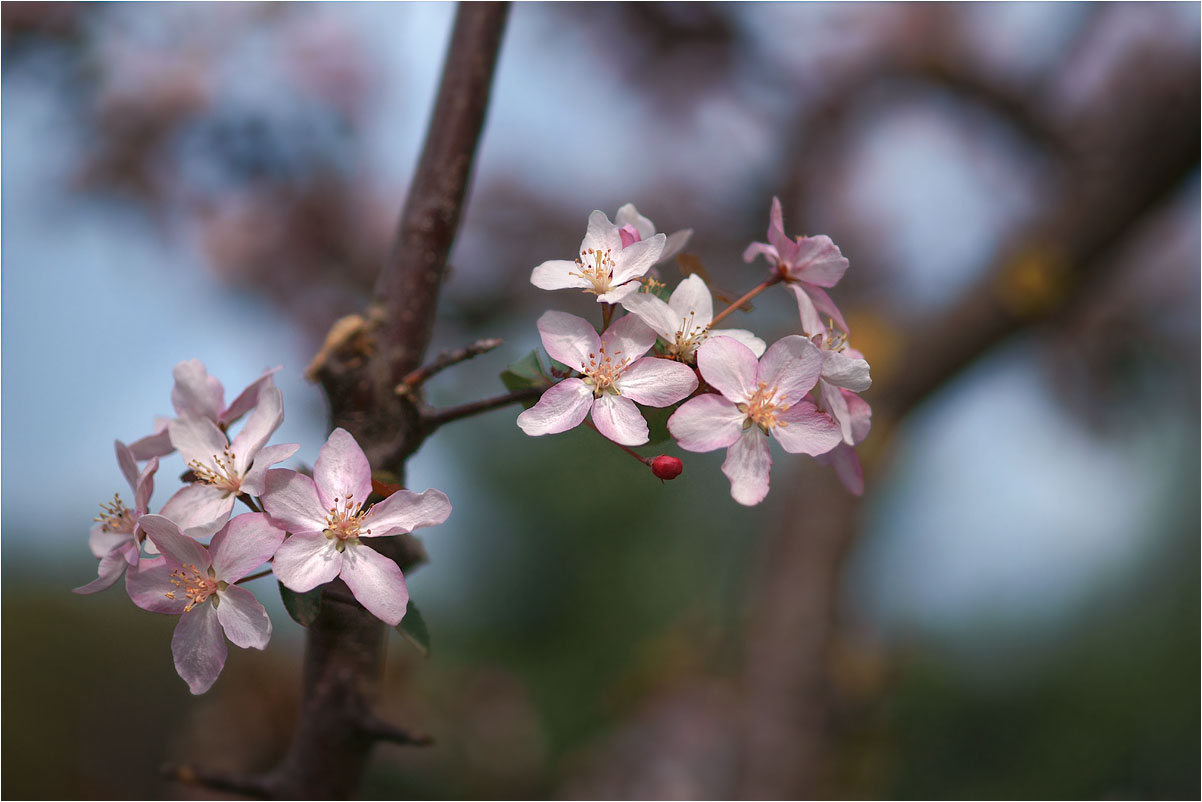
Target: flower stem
[
  {"x": 631, "y": 452},
  {"x": 248, "y": 501},
  {"x": 754, "y": 291},
  {"x": 253, "y": 576},
  {"x": 607, "y": 315}
]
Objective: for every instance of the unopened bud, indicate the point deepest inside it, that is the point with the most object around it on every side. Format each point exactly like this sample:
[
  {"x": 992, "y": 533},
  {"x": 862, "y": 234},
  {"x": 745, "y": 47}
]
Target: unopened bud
[{"x": 665, "y": 467}]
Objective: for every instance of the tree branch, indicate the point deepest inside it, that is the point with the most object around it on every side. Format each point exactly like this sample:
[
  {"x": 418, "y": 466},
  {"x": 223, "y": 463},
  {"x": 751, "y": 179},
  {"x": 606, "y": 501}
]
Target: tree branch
[
  {"x": 435, "y": 418},
  {"x": 443, "y": 361}
]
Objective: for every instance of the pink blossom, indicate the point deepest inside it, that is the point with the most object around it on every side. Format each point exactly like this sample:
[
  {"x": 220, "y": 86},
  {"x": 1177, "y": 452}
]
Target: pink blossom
[
  {"x": 843, "y": 457},
  {"x": 224, "y": 469},
  {"x": 634, "y": 227},
  {"x": 843, "y": 369},
  {"x": 613, "y": 378},
  {"x": 327, "y": 520},
  {"x": 683, "y": 322},
  {"x": 117, "y": 536},
  {"x": 606, "y": 267},
  {"x": 807, "y": 264},
  {"x": 758, "y": 400},
  {"x": 198, "y": 584},
  {"x": 196, "y": 394}
]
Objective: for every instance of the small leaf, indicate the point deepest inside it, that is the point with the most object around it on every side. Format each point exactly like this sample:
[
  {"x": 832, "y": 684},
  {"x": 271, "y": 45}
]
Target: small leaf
[
  {"x": 303, "y": 607},
  {"x": 527, "y": 372},
  {"x": 413, "y": 628}
]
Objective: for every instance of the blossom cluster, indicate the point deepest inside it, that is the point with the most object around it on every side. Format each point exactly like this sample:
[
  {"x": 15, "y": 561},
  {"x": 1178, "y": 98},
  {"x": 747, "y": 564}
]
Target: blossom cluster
[
  {"x": 738, "y": 392},
  {"x": 308, "y": 528}
]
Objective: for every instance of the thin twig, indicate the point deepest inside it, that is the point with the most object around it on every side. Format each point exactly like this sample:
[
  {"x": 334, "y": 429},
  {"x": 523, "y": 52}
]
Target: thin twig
[
  {"x": 443, "y": 361},
  {"x": 432, "y": 420},
  {"x": 253, "y": 786},
  {"x": 378, "y": 729},
  {"x": 754, "y": 291}
]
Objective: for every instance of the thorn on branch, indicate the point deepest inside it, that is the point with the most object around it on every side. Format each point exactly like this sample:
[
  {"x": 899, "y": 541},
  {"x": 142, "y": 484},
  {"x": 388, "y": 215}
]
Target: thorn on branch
[
  {"x": 377, "y": 729},
  {"x": 254, "y": 786},
  {"x": 446, "y": 359}
]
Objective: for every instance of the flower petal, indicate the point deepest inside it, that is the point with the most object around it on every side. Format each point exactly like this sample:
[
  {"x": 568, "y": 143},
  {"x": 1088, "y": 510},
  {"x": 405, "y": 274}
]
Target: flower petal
[
  {"x": 825, "y": 306},
  {"x": 729, "y": 367},
  {"x": 199, "y": 509},
  {"x": 558, "y": 274},
  {"x": 692, "y": 298},
  {"x": 746, "y": 466},
  {"x": 811, "y": 321},
  {"x": 843, "y": 371},
  {"x": 376, "y": 582},
  {"x": 657, "y": 382},
  {"x": 405, "y": 511},
  {"x": 196, "y": 393},
  {"x": 341, "y": 471},
  {"x": 784, "y": 246},
  {"x": 199, "y": 648},
  {"x": 153, "y": 445},
  {"x": 112, "y": 565},
  {"x": 290, "y": 498},
  {"x": 144, "y": 486},
  {"x": 101, "y": 541},
  {"x": 262, "y": 423},
  {"x": 244, "y": 620},
  {"x": 846, "y": 462},
  {"x": 819, "y": 261},
  {"x": 792, "y": 365},
  {"x": 178, "y": 548},
  {"x": 561, "y": 407},
  {"x": 247, "y": 399},
  {"x": 148, "y": 584},
  {"x": 127, "y": 463},
  {"x": 806, "y": 430},
  {"x": 601, "y": 235},
  {"x": 627, "y": 339},
  {"x": 254, "y": 480},
  {"x": 620, "y": 420},
  {"x": 861, "y": 416},
  {"x": 637, "y": 258},
  {"x": 675, "y": 243},
  {"x": 306, "y": 560},
  {"x": 761, "y": 249},
  {"x": 197, "y": 439},
  {"x": 619, "y": 294},
  {"x": 706, "y": 423},
  {"x": 835, "y": 405},
  {"x": 244, "y": 544},
  {"x": 753, "y": 343},
  {"x": 628, "y": 215},
  {"x": 655, "y": 312},
  {"x": 568, "y": 338}
]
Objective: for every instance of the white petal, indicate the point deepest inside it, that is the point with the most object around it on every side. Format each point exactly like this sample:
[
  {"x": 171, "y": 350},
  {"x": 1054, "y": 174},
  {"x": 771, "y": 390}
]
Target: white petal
[
  {"x": 637, "y": 258},
  {"x": 602, "y": 235},
  {"x": 620, "y": 420},
  {"x": 657, "y": 382},
  {"x": 290, "y": 498},
  {"x": 792, "y": 365},
  {"x": 405, "y": 511},
  {"x": 244, "y": 620},
  {"x": 568, "y": 338},
  {"x": 341, "y": 471},
  {"x": 244, "y": 544},
  {"x": 692, "y": 298},
  {"x": 806, "y": 430},
  {"x": 729, "y": 367},
  {"x": 706, "y": 423},
  {"x": 655, "y": 312},
  {"x": 197, "y": 439},
  {"x": 199, "y": 648},
  {"x": 843, "y": 371},
  {"x": 376, "y": 582},
  {"x": 262, "y": 423},
  {"x": 627, "y": 339},
  {"x": 628, "y": 215},
  {"x": 559, "y": 274},
  {"x": 746, "y": 466},
  {"x": 306, "y": 560},
  {"x": 753, "y": 343},
  {"x": 561, "y": 407},
  {"x": 199, "y": 509},
  {"x": 196, "y": 393},
  {"x": 675, "y": 244}
]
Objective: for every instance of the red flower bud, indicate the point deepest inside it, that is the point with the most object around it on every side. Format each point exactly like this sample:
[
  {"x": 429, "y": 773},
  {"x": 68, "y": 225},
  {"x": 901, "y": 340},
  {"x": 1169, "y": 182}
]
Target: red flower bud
[{"x": 665, "y": 467}]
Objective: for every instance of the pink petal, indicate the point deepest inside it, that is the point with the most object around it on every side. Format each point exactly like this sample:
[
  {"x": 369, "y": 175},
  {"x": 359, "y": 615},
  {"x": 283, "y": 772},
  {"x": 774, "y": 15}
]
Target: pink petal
[
  {"x": 861, "y": 416},
  {"x": 148, "y": 584},
  {"x": 197, "y": 439},
  {"x": 761, "y": 249},
  {"x": 254, "y": 480},
  {"x": 753, "y": 343},
  {"x": 842, "y": 371},
  {"x": 629, "y": 235},
  {"x": 561, "y": 407},
  {"x": 846, "y": 462},
  {"x": 656, "y": 313},
  {"x": 784, "y": 246},
  {"x": 290, "y": 498},
  {"x": 405, "y": 511},
  {"x": 706, "y": 423},
  {"x": 196, "y": 393},
  {"x": 306, "y": 560},
  {"x": 247, "y": 398},
  {"x": 244, "y": 620},
  {"x": 559, "y": 274},
  {"x": 376, "y": 582},
  {"x": 811, "y": 322},
  {"x": 341, "y": 471},
  {"x": 127, "y": 463},
  {"x": 199, "y": 648},
  {"x": 636, "y": 259},
  {"x": 833, "y": 403},
  {"x": 619, "y": 294},
  {"x": 746, "y": 466},
  {"x": 692, "y": 299},
  {"x": 806, "y": 430},
  {"x": 153, "y": 445},
  {"x": 199, "y": 509},
  {"x": 657, "y": 382},
  {"x": 568, "y": 338},
  {"x": 819, "y": 261},
  {"x": 101, "y": 541},
  {"x": 792, "y": 365},
  {"x": 244, "y": 544},
  {"x": 629, "y": 215},
  {"x": 144, "y": 486},
  {"x": 675, "y": 243},
  {"x": 262, "y": 423},
  {"x": 178, "y": 548},
  {"x": 112, "y": 565},
  {"x": 729, "y": 367},
  {"x": 824, "y": 305},
  {"x": 620, "y": 420}
]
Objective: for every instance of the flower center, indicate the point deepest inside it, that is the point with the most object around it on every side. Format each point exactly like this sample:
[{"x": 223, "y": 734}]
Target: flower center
[
  {"x": 197, "y": 588},
  {"x": 764, "y": 407},
  {"x": 344, "y": 522},
  {"x": 833, "y": 340},
  {"x": 603, "y": 373},
  {"x": 597, "y": 268},
  {"x": 689, "y": 336},
  {"x": 115, "y": 516},
  {"x": 220, "y": 474}
]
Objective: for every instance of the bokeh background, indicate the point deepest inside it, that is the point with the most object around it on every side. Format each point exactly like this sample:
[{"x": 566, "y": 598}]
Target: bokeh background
[{"x": 1010, "y": 611}]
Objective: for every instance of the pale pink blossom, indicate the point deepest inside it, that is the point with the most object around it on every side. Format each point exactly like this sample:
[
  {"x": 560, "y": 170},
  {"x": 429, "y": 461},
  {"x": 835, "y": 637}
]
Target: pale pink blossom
[
  {"x": 683, "y": 321},
  {"x": 606, "y": 266},
  {"x": 758, "y": 400},
  {"x": 807, "y": 265},
  {"x": 328, "y": 521},
  {"x": 843, "y": 457},
  {"x": 613, "y": 377},
  {"x": 224, "y": 469},
  {"x": 634, "y": 227},
  {"x": 843, "y": 368},
  {"x": 117, "y": 536},
  {"x": 198, "y": 584}
]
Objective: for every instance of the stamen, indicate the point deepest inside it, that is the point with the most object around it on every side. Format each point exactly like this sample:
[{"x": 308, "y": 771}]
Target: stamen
[
  {"x": 764, "y": 408},
  {"x": 597, "y": 268},
  {"x": 604, "y": 372},
  {"x": 344, "y": 522},
  {"x": 220, "y": 474},
  {"x": 198, "y": 588},
  {"x": 115, "y": 516}
]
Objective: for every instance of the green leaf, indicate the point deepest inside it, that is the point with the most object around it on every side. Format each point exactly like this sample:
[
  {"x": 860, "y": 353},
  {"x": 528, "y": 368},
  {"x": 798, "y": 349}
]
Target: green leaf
[
  {"x": 527, "y": 372},
  {"x": 303, "y": 607},
  {"x": 413, "y": 628}
]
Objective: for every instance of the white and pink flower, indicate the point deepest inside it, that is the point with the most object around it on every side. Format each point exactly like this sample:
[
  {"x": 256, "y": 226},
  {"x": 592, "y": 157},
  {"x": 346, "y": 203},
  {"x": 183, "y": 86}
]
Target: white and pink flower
[
  {"x": 683, "y": 322},
  {"x": 843, "y": 457},
  {"x": 634, "y": 227},
  {"x": 199, "y": 585},
  {"x": 328, "y": 522},
  {"x": 614, "y": 375},
  {"x": 843, "y": 369},
  {"x": 758, "y": 400},
  {"x": 609, "y": 266},
  {"x": 117, "y": 536},
  {"x": 807, "y": 265}
]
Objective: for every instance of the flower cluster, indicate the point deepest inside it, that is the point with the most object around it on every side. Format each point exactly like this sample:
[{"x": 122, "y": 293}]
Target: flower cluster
[
  {"x": 309, "y": 529},
  {"x": 737, "y": 392}
]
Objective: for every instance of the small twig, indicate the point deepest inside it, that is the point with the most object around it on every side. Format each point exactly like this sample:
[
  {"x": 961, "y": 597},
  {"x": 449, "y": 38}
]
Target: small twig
[
  {"x": 378, "y": 729},
  {"x": 607, "y": 315},
  {"x": 775, "y": 278},
  {"x": 630, "y": 451},
  {"x": 249, "y": 785},
  {"x": 446, "y": 359},
  {"x": 259, "y": 575},
  {"x": 435, "y": 418}
]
